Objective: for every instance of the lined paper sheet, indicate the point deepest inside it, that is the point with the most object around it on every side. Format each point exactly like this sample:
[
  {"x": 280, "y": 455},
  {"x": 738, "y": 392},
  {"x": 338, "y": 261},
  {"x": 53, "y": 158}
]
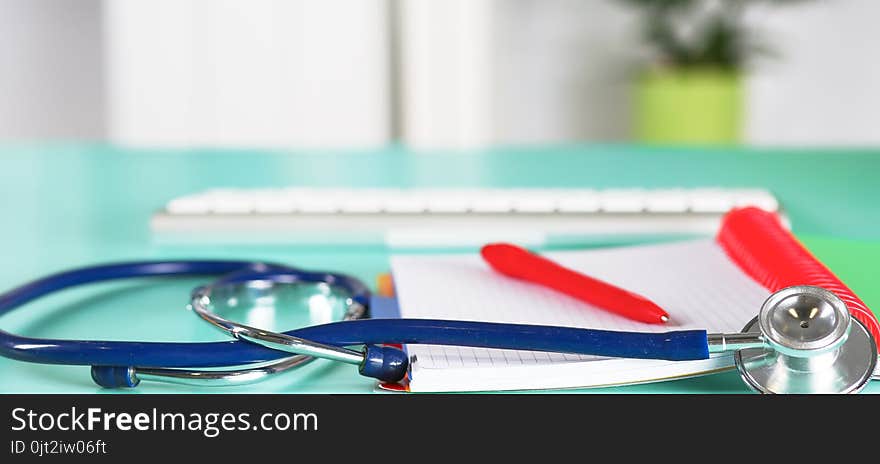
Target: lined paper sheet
[{"x": 693, "y": 281}]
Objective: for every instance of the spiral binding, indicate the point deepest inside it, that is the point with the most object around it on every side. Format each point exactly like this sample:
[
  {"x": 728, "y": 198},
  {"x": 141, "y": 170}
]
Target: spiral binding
[{"x": 756, "y": 241}]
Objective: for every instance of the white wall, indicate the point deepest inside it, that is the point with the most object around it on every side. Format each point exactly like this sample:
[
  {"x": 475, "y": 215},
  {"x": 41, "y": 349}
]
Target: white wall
[
  {"x": 258, "y": 73},
  {"x": 446, "y": 73},
  {"x": 51, "y": 76},
  {"x": 825, "y": 87},
  {"x": 559, "y": 71},
  {"x": 562, "y": 70}
]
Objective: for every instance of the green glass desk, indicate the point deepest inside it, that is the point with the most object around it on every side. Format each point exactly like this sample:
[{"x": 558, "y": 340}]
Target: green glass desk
[{"x": 67, "y": 205}]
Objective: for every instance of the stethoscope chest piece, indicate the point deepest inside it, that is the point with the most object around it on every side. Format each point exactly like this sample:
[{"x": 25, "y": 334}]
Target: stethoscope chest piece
[{"x": 812, "y": 345}]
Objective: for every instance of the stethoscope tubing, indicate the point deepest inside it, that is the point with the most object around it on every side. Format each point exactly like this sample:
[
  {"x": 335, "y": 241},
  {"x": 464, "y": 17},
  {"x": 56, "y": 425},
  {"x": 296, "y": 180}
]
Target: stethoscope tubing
[
  {"x": 258, "y": 353},
  {"x": 681, "y": 345},
  {"x": 148, "y": 354},
  {"x": 678, "y": 345}
]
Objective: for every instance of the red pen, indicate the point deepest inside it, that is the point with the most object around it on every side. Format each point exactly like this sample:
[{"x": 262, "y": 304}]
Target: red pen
[{"x": 520, "y": 263}]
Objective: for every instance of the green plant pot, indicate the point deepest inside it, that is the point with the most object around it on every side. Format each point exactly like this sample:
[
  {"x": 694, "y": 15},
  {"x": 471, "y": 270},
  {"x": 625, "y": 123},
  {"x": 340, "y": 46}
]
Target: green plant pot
[{"x": 689, "y": 106}]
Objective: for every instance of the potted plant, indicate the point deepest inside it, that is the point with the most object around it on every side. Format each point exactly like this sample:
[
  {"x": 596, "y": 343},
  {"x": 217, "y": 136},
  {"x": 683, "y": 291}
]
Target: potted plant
[{"x": 693, "y": 90}]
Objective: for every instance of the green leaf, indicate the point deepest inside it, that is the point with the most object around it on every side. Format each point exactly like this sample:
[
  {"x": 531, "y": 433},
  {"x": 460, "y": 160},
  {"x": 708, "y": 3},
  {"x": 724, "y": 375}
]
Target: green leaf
[{"x": 721, "y": 38}]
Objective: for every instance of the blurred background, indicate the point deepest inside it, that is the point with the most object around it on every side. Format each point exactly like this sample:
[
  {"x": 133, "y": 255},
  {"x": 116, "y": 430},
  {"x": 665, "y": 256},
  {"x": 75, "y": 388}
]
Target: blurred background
[{"x": 440, "y": 73}]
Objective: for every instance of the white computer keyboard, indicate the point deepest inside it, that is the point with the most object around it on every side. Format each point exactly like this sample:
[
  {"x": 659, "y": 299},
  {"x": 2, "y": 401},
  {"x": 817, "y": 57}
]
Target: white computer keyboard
[{"x": 447, "y": 217}]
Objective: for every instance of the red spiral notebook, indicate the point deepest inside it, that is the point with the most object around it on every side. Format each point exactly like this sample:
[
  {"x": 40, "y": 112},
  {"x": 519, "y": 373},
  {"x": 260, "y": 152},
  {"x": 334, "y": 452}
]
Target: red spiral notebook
[{"x": 717, "y": 285}]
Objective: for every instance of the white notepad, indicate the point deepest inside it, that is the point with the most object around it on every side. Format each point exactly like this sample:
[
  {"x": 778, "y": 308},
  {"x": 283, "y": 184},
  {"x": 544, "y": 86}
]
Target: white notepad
[{"x": 693, "y": 281}]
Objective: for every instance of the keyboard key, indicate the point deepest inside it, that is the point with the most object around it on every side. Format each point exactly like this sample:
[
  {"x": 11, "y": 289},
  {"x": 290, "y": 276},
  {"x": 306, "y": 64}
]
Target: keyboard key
[
  {"x": 230, "y": 202},
  {"x": 189, "y": 205},
  {"x": 667, "y": 201},
  {"x": 405, "y": 204},
  {"x": 491, "y": 203},
  {"x": 447, "y": 202},
  {"x": 710, "y": 200},
  {"x": 622, "y": 201},
  {"x": 536, "y": 203},
  {"x": 760, "y": 198},
  {"x": 579, "y": 201}
]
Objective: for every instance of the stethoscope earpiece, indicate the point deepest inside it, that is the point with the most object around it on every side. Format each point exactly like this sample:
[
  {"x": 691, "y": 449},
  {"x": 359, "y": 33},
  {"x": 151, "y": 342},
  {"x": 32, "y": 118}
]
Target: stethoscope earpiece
[{"x": 811, "y": 344}]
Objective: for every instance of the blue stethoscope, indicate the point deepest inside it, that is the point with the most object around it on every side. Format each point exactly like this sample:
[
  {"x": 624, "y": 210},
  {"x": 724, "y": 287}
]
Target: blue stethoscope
[{"x": 802, "y": 341}]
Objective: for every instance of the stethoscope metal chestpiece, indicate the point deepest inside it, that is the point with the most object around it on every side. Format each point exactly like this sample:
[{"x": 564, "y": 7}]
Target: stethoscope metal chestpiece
[{"x": 811, "y": 345}]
